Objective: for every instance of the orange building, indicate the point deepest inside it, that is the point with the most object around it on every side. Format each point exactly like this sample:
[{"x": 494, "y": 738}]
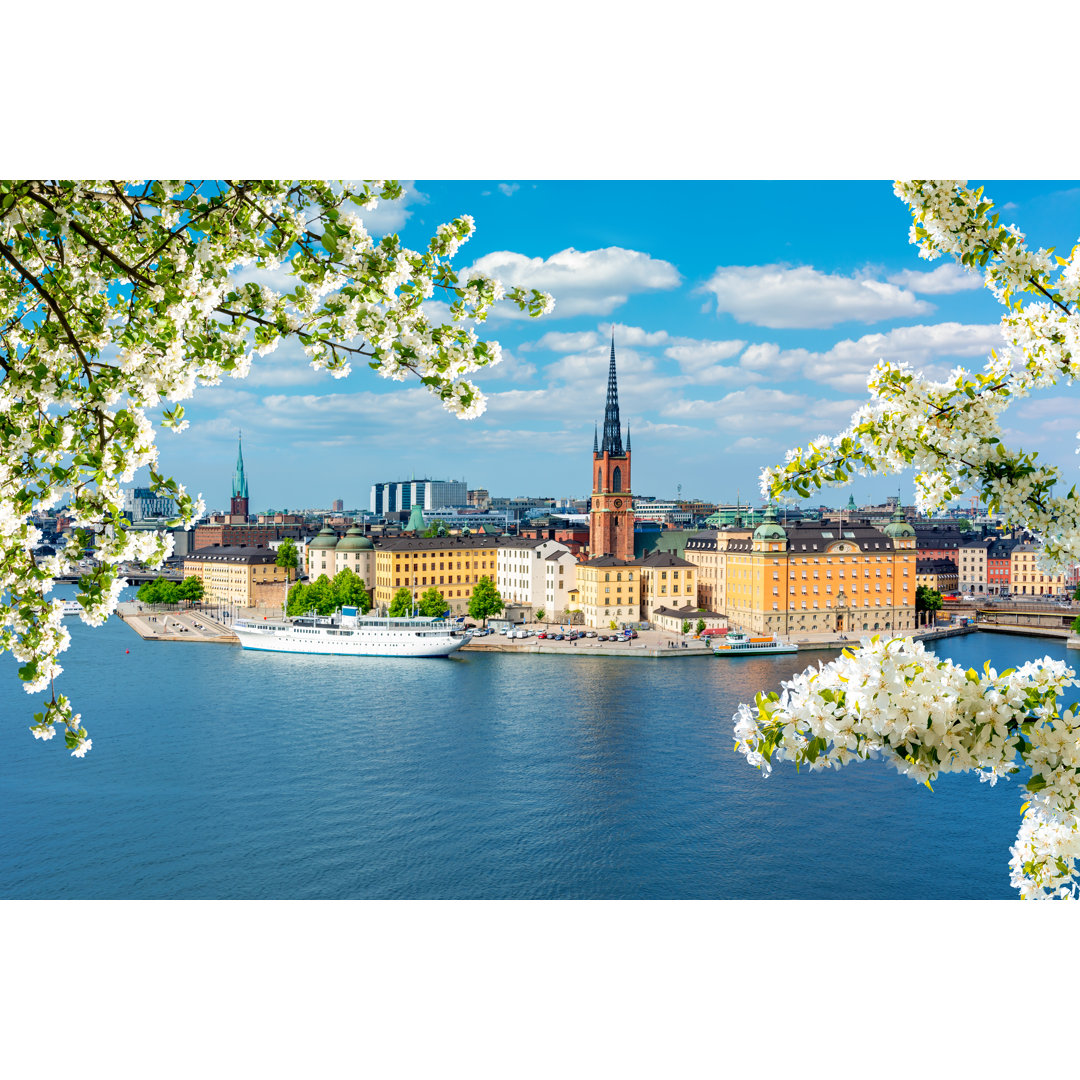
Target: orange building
[{"x": 826, "y": 578}]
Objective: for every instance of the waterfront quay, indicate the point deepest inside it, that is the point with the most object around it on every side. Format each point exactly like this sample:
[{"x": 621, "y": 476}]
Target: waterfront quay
[
  {"x": 193, "y": 625},
  {"x": 189, "y": 625}
]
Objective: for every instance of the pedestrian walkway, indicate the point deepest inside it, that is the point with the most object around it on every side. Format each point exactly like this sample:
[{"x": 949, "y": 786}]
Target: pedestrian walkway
[{"x": 175, "y": 625}]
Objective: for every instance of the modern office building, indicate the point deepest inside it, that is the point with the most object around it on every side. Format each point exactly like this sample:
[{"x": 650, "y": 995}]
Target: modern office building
[{"x": 392, "y": 495}]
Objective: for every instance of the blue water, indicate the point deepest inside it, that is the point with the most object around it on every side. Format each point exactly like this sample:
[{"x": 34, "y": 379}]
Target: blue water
[{"x": 221, "y": 773}]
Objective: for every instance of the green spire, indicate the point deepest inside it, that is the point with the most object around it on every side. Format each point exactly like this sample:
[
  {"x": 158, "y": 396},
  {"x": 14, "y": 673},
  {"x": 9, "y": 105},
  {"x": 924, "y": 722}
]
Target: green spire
[{"x": 239, "y": 482}]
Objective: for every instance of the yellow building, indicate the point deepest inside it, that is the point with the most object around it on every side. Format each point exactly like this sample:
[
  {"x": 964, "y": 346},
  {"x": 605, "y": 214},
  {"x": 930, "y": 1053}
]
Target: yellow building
[
  {"x": 707, "y": 550},
  {"x": 609, "y": 590},
  {"x": 453, "y": 564},
  {"x": 825, "y": 578},
  {"x": 1025, "y": 577},
  {"x": 938, "y": 574},
  {"x": 667, "y": 582},
  {"x": 240, "y": 575}
]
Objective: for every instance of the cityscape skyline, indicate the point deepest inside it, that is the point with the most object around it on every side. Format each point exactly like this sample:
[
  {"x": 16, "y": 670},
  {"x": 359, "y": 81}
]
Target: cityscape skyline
[{"x": 746, "y": 316}]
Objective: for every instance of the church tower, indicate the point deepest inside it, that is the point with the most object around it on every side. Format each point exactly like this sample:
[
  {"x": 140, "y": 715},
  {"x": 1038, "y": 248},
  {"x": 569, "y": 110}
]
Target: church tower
[
  {"x": 239, "y": 505},
  {"x": 611, "y": 522}
]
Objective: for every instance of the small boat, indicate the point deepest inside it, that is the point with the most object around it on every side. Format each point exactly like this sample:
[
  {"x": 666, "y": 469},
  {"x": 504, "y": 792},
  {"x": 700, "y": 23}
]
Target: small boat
[
  {"x": 736, "y": 644},
  {"x": 71, "y": 607}
]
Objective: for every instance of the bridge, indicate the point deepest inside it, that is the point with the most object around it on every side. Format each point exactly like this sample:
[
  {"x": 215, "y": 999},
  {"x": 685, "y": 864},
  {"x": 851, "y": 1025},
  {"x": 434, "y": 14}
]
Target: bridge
[{"x": 1055, "y": 620}]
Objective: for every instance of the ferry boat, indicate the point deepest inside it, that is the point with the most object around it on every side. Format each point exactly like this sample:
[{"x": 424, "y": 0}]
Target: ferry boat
[
  {"x": 350, "y": 634},
  {"x": 736, "y": 644},
  {"x": 71, "y": 607}
]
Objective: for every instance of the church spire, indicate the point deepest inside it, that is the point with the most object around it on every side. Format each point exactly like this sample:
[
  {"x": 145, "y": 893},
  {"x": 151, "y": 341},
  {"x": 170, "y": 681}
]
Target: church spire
[
  {"x": 595, "y": 444},
  {"x": 239, "y": 484},
  {"x": 612, "y": 443},
  {"x": 628, "y": 438}
]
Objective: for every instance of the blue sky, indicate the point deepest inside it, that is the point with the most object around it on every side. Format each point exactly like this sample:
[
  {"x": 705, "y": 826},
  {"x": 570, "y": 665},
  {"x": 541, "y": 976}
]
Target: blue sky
[{"x": 746, "y": 317}]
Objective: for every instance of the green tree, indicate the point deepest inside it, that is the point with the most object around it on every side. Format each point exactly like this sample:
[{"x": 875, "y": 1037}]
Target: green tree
[
  {"x": 540, "y": 614},
  {"x": 191, "y": 588},
  {"x": 288, "y": 557},
  {"x": 485, "y": 600},
  {"x": 433, "y": 530},
  {"x": 299, "y": 602},
  {"x": 686, "y": 626},
  {"x": 159, "y": 591},
  {"x": 964, "y": 525},
  {"x": 432, "y": 603},
  {"x": 700, "y": 625},
  {"x": 350, "y": 591},
  {"x": 321, "y": 596},
  {"x": 402, "y": 604},
  {"x": 927, "y": 599}
]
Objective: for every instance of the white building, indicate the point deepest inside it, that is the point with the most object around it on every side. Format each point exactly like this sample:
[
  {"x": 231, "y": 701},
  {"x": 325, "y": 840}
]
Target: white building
[
  {"x": 454, "y": 518},
  {"x": 142, "y": 504},
  {"x": 539, "y": 573}
]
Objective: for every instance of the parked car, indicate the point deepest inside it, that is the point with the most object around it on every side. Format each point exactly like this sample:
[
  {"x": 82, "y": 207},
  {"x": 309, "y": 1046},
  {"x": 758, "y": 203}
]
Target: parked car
[
  {"x": 633, "y": 633},
  {"x": 590, "y": 633},
  {"x": 542, "y": 634}
]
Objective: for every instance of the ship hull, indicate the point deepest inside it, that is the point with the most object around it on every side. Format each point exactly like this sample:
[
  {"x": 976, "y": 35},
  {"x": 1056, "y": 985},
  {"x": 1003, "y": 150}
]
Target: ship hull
[{"x": 358, "y": 643}]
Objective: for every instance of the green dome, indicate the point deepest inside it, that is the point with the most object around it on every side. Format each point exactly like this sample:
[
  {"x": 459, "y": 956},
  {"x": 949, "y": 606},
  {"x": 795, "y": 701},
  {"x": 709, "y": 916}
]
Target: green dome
[
  {"x": 355, "y": 540},
  {"x": 326, "y": 540},
  {"x": 770, "y": 528},
  {"x": 898, "y": 527}
]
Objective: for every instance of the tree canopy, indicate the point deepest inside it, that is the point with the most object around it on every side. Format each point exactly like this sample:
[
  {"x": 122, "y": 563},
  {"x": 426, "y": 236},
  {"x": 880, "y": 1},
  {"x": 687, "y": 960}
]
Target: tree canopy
[
  {"x": 485, "y": 600},
  {"x": 927, "y": 599},
  {"x": 163, "y": 591},
  {"x": 120, "y": 297},
  {"x": 432, "y": 603},
  {"x": 401, "y": 604},
  {"x": 325, "y": 596},
  {"x": 288, "y": 556}
]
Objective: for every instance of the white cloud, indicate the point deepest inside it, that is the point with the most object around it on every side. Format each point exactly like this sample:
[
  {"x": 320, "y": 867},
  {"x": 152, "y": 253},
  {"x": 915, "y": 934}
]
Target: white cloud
[
  {"x": 846, "y": 365},
  {"x": 509, "y": 189},
  {"x": 589, "y": 368},
  {"x": 554, "y": 341},
  {"x": 947, "y": 278},
  {"x": 509, "y": 367},
  {"x": 753, "y": 442},
  {"x": 582, "y": 282},
  {"x": 760, "y": 408},
  {"x": 694, "y": 355},
  {"x": 780, "y": 296}
]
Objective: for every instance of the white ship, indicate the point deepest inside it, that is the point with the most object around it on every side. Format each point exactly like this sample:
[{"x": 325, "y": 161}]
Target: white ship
[
  {"x": 736, "y": 644},
  {"x": 351, "y": 634},
  {"x": 71, "y": 607}
]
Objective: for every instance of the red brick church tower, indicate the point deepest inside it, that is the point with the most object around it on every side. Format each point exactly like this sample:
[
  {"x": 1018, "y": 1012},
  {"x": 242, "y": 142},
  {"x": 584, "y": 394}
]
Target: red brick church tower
[{"x": 611, "y": 522}]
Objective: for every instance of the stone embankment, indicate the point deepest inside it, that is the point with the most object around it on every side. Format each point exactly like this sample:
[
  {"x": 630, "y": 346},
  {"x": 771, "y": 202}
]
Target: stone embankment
[{"x": 175, "y": 625}]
